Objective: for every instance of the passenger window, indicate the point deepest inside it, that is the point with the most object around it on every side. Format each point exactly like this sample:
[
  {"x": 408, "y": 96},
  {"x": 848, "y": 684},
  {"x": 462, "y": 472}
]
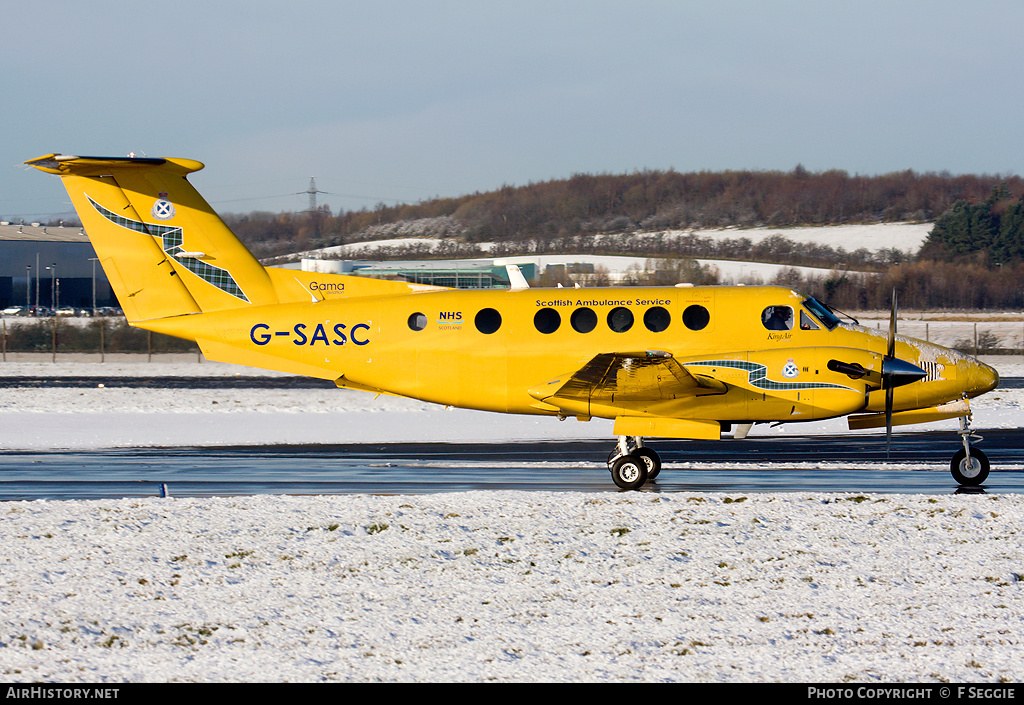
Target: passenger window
[
  {"x": 696, "y": 317},
  {"x": 657, "y": 319},
  {"x": 583, "y": 320},
  {"x": 777, "y": 318},
  {"x": 806, "y": 322},
  {"x": 547, "y": 320},
  {"x": 488, "y": 321},
  {"x": 620, "y": 319},
  {"x": 418, "y": 321}
]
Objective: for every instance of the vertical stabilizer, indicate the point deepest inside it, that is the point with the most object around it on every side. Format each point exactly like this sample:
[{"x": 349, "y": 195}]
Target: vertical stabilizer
[{"x": 164, "y": 249}]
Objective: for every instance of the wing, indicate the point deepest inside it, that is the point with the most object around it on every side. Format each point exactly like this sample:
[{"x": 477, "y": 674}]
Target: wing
[{"x": 628, "y": 377}]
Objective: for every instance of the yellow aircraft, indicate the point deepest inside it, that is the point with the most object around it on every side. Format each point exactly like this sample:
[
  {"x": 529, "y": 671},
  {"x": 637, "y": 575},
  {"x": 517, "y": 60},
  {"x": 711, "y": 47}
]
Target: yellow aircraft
[{"x": 676, "y": 362}]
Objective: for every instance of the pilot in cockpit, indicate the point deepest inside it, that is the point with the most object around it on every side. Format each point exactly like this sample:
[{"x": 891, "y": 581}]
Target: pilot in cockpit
[{"x": 777, "y": 318}]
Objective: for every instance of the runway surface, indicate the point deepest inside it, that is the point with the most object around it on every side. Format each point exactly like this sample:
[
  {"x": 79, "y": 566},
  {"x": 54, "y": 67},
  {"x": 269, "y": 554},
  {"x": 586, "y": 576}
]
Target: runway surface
[
  {"x": 227, "y": 382},
  {"x": 917, "y": 464}
]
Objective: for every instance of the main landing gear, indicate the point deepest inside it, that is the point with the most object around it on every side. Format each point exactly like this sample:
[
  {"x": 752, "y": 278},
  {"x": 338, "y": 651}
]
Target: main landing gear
[
  {"x": 969, "y": 466},
  {"x": 632, "y": 464}
]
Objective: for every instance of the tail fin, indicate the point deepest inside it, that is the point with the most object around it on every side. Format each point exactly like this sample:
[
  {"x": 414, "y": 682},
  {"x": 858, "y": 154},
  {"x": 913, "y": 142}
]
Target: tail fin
[{"x": 163, "y": 248}]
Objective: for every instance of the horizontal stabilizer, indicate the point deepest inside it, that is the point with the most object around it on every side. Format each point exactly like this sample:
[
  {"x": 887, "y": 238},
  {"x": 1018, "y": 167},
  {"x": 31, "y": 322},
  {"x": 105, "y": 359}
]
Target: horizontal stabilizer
[{"x": 67, "y": 164}]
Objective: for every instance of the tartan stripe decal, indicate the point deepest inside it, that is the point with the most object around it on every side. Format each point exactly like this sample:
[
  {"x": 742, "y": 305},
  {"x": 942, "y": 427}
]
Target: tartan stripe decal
[
  {"x": 171, "y": 239},
  {"x": 758, "y": 376}
]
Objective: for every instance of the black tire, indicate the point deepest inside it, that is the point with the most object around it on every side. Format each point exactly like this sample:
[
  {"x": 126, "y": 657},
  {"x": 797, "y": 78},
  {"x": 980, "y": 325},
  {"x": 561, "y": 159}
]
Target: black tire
[
  {"x": 629, "y": 472},
  {"x": 971, "y": 472},
  {"x": 613, "y": 456},
  {"x": 652, "y": 459}
]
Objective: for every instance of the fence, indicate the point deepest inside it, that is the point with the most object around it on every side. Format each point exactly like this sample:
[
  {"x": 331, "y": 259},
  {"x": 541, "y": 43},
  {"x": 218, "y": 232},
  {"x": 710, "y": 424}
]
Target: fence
[
  {"x": 972, "y": 337},
  {"x": 100, "y": 336},
  {"x": 113, "y": 335}
]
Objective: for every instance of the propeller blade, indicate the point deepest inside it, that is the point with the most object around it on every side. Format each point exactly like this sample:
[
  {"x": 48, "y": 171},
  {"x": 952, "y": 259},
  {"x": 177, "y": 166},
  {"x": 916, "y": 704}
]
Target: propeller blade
[
  {"x": 888, "y": 421},
  {"x": 891, "y": 375},
  {"x": 891, "y": 349}
]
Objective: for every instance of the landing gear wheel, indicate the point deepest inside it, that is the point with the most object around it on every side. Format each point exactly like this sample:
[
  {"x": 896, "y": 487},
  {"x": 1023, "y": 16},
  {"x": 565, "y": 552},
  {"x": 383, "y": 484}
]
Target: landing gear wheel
[
  {"x": 969, "y": 471},
  {"x": 613, "y": 456},
  {"x": 629, "y": 472},
  {"x": 652, "y": 459}
]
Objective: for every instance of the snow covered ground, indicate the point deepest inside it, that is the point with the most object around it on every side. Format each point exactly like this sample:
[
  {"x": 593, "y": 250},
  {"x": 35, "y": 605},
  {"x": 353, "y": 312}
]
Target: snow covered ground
[
  {"x": 906, "y": 237},
  {"x": 476, "y": 586},
  {"x": 111, "y": 416},
  {"x": 515, "y": 587}
]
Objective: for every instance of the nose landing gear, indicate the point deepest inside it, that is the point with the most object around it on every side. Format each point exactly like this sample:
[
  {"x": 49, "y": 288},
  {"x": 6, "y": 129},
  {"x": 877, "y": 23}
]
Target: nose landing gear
[
  {"x": 632, "y": 464},
  {"x": 969, "y": 466}
]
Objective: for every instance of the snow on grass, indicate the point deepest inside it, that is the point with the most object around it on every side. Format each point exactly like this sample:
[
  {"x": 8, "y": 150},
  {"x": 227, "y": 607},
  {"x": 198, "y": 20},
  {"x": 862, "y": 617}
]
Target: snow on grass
[
  {"x": 515, "y": 586},
  {"x": 477, "y": 586},
  {"x": 41, "y": 418},
  {"x": 907, "y": 237}
]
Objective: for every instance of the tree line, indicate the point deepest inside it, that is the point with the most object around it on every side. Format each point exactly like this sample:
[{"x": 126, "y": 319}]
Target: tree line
[
  {"x": 919, "y": 285},
  {"x": 989, "y": 231},
  {"x": 586, "y": 206},
  {"x": 971, "y": 260}
]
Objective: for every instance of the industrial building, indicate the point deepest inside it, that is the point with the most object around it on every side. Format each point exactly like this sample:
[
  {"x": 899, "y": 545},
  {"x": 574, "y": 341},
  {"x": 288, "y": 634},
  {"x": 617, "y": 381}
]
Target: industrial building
[
  {"x": 456, "y": 274},
  {"x": 50, "y": 267},
  {"x": 55, "y": 266}
]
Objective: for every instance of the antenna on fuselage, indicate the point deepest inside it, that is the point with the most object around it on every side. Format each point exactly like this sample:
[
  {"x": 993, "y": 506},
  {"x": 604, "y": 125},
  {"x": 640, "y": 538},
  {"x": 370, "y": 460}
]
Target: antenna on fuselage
[{"x": 516, "y": 280}]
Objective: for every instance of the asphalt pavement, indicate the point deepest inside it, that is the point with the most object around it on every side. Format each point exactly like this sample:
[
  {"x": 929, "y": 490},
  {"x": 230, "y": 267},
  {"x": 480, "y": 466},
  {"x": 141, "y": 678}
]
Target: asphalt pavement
[{"x": 917, "y": 463}]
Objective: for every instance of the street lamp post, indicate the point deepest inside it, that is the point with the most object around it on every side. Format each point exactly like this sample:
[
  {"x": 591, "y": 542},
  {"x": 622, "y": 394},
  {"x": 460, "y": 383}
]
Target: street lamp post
[
  {"x": 28, "y": 289},
  {"x": 93, "y": 259},
  {"x": 53, "y": 288}
]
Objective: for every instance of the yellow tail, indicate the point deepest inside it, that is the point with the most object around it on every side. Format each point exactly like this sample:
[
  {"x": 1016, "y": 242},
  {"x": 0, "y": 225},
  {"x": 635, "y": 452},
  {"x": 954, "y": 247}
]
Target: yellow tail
[
  {"x": 166, "y": 252},
  {"x": 163, "y": 248}
]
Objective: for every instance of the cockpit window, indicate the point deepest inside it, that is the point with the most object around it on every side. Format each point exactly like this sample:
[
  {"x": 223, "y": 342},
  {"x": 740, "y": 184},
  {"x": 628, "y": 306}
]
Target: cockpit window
[
  {"x": 777, "y": 318},
  {"x": 822, "y": 312},
  {"x": 807, "y": 321}
]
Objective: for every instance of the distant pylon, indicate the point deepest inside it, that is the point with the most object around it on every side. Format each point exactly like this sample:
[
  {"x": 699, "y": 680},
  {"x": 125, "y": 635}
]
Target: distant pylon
[
  {"x": 312, "y": 194},
  {"x": 314, "y": 214}
]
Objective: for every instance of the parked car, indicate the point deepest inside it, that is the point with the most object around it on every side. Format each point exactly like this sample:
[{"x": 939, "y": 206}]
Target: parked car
[
  {"x": 14, "y": 311},
  {"x": 65, "y": 311}
]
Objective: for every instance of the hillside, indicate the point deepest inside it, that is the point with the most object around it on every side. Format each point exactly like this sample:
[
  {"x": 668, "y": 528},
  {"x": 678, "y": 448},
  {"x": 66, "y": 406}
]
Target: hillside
[
  {"x": 579, "y": 213},
  {"x": 676, "y": 219}
]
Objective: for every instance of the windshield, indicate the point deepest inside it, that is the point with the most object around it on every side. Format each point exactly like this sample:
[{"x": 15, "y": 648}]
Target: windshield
[{"x": 823, "y": 313}]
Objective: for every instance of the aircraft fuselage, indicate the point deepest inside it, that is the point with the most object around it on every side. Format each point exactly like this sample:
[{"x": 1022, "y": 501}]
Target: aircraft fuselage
[{"x": 492, "y": 350}]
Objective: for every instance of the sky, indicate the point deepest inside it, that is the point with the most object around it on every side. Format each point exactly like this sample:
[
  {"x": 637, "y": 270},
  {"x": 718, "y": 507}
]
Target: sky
[{"x": 402, "y": 101}]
